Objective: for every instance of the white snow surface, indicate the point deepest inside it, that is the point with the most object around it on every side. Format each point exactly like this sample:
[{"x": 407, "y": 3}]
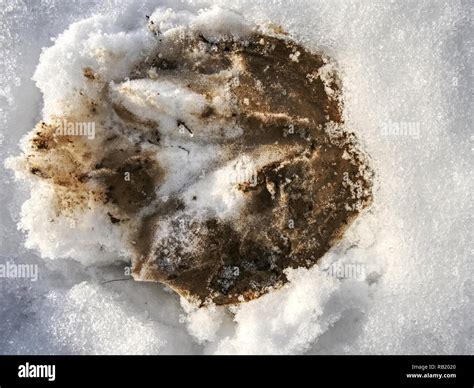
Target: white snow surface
[{"x": 403, "y": 64}]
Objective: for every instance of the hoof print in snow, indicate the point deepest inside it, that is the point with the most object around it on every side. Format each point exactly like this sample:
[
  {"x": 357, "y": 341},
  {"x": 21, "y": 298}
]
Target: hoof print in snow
[{"x": 218, "y": 161}]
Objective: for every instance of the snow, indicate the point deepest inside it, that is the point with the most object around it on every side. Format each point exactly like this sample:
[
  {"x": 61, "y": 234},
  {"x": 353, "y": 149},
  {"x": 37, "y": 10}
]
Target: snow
[
  {"x": 218, "y": 23},
  {"x": 161, "y": 101},
  {"x": 401, "y": 62},
  {"x": 99, "y": 243}
]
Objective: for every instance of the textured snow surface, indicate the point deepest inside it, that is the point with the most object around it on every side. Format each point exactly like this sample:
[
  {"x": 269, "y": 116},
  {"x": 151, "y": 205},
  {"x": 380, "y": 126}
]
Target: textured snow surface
[{"x": 407, "y": 77}]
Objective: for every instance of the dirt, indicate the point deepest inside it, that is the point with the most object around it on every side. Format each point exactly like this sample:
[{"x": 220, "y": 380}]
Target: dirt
[
  {"x": 298, "y": 208},
  {"x": 306, "y": 210}
]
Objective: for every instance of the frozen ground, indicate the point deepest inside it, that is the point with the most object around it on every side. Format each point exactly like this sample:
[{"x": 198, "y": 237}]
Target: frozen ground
[{"x": 403, "y": 63}]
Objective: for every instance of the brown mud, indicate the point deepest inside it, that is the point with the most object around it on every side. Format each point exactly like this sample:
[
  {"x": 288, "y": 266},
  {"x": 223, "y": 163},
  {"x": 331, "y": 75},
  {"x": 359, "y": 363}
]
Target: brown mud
[{"x": 299, "y": 206}]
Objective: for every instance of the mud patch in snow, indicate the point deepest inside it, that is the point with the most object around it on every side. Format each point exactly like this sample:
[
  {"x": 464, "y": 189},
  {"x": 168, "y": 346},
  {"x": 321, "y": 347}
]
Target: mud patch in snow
[{"x": 220, "y": 158}]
